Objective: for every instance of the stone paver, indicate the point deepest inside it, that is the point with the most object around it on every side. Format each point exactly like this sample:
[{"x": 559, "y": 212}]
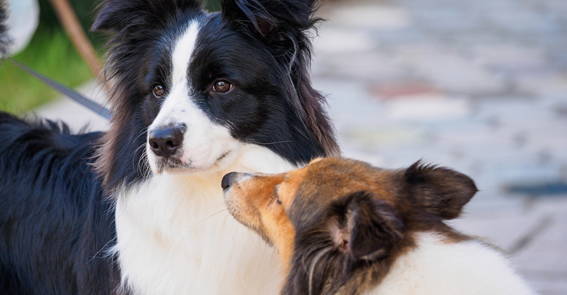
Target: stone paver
[{"x": 480, "y": 86}]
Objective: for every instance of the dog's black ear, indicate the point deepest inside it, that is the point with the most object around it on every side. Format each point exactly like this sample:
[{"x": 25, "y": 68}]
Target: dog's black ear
[
  {"x": 268, "y": 17},
  {"x": 442, "y": 192},
  {"x": 364, "y": 227},
  {"x": 115, "y": 15}
]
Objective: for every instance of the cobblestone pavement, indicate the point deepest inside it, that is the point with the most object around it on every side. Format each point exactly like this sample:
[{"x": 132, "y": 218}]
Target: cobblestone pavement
[{"x": 479, "y": 86}]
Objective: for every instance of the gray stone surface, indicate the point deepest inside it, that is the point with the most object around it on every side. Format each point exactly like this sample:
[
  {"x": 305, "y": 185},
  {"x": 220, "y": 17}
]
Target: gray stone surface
[{"x": 479, "y": 86}]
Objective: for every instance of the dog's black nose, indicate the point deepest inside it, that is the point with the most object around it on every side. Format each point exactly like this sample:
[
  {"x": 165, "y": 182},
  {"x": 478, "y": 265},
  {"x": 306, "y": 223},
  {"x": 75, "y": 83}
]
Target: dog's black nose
[
  {"x": 228, "y": 179},
  {"x": 165, "y": 142}
]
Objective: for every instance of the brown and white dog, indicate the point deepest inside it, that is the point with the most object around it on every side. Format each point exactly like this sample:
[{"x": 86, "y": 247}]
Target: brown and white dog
[{"x": 343, "y": 226}]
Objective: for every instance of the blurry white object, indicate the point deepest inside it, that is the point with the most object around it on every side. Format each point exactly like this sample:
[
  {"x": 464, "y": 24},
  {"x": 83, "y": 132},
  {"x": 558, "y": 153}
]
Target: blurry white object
[
  {"x": 427, "y": 108},
  {"x": 23, "y": 18}
]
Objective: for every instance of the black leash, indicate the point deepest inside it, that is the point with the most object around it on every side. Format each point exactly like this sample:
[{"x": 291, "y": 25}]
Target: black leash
[{"x": 70, "y": 93}]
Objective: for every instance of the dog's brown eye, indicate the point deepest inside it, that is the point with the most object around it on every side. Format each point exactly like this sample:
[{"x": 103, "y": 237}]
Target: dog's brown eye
[
  {"x": 158, "y": 91},
  {"x": 222, "y": 86}
]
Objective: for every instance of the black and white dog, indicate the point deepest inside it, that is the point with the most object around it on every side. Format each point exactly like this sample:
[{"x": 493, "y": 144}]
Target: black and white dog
[{"x": 196, "y": 95}]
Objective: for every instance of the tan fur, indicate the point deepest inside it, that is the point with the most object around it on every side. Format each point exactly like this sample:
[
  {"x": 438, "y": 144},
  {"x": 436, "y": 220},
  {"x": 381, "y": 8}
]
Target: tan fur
[
  {"x": 254, "y": 201},
  {"x": 411, "y": 207},
  {"x": 258, "y": 206}
]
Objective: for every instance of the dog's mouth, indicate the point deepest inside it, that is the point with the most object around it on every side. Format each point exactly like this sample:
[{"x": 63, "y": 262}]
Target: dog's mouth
[
  {"x": 171, "y": 164},
  {"x": 175, "y": 164}
]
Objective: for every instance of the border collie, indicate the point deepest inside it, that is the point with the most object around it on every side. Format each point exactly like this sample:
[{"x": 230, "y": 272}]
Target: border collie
[
  {"x": 195, "y": 95},
  {"x": 343, "y": 227}
]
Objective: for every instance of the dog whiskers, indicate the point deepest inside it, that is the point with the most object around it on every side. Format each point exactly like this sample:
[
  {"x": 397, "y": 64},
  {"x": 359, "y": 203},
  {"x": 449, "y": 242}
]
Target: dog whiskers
[
  {"x": 211, "y": 216},
  {"x": 142, "y": 164}
]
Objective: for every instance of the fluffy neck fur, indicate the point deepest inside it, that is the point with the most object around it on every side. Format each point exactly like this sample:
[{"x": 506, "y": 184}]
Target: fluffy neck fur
[
  {"x": 438, "y": 264},
  {"x": 174, "y": 235}
]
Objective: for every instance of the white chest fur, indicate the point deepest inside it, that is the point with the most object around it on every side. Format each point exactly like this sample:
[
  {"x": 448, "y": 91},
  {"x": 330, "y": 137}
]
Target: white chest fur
[
  {"x": 174, "y": 236},
  {"x": 442, "y": 268}
]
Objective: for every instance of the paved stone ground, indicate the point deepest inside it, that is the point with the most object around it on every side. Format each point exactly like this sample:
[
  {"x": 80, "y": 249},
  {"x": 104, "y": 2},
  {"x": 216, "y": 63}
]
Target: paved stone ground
[{"x": 479, "y": 86}]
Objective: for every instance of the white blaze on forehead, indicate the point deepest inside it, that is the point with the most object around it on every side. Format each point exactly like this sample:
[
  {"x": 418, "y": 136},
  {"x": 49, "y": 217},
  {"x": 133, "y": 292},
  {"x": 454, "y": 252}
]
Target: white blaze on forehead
[
  {"x": 204, "y": 141},
  {"x": 182, "y": 53},
  {"x": 178, "y": 100}
]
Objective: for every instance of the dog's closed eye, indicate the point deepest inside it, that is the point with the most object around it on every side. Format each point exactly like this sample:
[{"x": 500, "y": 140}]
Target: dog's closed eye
[{"x": 276, "y": 195}]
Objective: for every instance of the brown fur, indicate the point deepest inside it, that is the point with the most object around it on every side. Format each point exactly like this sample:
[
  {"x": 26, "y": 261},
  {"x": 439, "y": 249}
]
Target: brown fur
[{"x": 348, "y": 221}]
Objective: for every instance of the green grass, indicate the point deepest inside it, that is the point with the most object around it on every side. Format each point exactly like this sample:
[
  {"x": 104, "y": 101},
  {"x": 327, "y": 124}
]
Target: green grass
[{"x": 49, "y": 53}]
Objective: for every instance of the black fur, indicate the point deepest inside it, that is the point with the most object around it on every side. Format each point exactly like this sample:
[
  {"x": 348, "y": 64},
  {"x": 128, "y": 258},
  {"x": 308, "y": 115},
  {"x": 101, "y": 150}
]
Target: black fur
[
  {"x": 55, "y": 224},
  {"x": 272, "y": 105},
  {"x": 143, "y": 34}
]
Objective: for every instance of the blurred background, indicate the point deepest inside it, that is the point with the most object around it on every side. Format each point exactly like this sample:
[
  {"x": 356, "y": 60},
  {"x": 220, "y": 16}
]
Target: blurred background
[{"x": 479, "y": 86}]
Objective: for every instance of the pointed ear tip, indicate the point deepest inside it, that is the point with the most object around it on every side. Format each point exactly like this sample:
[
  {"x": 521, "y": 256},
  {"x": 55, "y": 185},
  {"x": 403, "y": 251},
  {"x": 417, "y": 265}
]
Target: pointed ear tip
[
  {"x": 461, "y": 180},
  {"x": 469, "y": 186},
  {"x": 466, "y": 190}
]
